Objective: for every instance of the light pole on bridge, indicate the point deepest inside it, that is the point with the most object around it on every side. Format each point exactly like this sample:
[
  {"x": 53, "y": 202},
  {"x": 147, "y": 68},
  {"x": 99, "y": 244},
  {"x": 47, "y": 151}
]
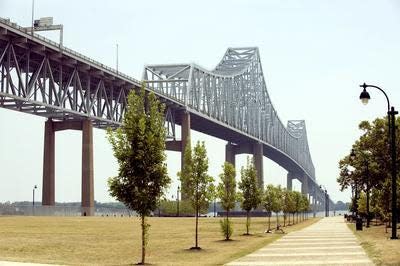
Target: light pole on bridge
[{"x": 365, "y": 97}]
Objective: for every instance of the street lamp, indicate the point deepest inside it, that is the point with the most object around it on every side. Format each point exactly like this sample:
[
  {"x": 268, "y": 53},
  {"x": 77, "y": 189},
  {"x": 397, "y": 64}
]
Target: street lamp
[
  {"x": 365, "y": 97},
  {"x": 177, "y": 202},
  {"x": 33, "y": 199},
  {"x": 326, "y": 200}
]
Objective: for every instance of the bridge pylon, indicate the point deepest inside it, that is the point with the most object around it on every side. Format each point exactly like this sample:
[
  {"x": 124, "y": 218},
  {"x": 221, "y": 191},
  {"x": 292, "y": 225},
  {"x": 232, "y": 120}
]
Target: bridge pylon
[
  {"x": 254, "y": 148},
  {"x": 48, "y": 192}
]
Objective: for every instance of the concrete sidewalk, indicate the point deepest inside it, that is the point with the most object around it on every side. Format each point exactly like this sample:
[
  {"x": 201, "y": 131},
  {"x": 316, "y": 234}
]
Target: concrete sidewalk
[{"x": 327, "y": 242}]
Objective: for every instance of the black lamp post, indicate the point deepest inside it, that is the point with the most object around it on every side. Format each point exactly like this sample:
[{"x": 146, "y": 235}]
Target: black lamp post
[
  {"x": 353, "y": 157},
  {"x": 367, "y": 186},
  {"x": 33, "y": 199},
  {"x": 364, "y": 97},
  {"x": 326, "y": 201},
  {"x": 177, "y": 202}
]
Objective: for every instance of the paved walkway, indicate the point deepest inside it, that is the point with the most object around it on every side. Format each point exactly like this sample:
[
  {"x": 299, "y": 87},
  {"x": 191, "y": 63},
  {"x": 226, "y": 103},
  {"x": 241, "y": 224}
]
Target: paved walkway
[{"x": 327, "y": 242}]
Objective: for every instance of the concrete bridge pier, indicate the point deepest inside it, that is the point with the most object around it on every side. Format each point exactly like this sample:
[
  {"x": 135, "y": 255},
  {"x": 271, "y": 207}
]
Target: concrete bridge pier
[
  {"x": 180, "y": 145},
  {"x": 304, "y": 185},
  {"x": 258, "y": 163},
  {"x": 289, "y": 181},
  {"x": 255, "y": 148},
  {"x": 314, "y": 199},
  {"x": 48, "y": 191}
]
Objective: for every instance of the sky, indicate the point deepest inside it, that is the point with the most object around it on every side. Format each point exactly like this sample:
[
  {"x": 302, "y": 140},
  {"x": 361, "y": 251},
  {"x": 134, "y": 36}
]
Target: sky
[{"x": 314, "y": 55}]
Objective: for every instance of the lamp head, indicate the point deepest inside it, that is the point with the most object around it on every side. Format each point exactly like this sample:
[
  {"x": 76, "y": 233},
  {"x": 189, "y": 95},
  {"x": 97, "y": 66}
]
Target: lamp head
[{"x": 364, "y": 96}]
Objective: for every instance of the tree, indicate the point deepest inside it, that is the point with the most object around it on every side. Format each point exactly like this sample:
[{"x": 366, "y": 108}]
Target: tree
[
  {"x": 288, "y": 204},
  {"x": 139, "y": 147},
  {"x": 362, "y": 204},
  {"x": 278, "y": 204},
  {"x": 304, "y": 205},
  {"x": 297, "y": 200},
  {"x": 226, "y": 191},
  {"x": 268, "y": 203},
  {"x": 198, "y": 184},
  {"x": 250, "y": 196},
  {"x": 373, "y": 148}
]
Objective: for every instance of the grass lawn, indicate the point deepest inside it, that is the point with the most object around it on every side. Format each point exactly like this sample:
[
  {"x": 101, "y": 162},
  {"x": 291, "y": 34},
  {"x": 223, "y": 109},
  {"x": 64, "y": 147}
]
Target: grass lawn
[
  {"x": 116, "y": 240},
  {"x": 380, "y": 248}
]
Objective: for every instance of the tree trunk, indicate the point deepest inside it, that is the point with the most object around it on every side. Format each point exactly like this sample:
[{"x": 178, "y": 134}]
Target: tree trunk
[
  {"x": 247, "y": 222},
  {"x": 277, "y": 221},
  {"x": 197, "y": 226},
  {"x": 269, "y": 222},
  {"x": 143, "y": 239},
  {"x": 284, "y": 219},
  {"x": 227, "y": 225}
]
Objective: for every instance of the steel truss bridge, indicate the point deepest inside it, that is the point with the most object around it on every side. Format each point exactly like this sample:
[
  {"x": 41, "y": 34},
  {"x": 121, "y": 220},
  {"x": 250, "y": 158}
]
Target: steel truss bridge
[{"x": 231, "y": 102}]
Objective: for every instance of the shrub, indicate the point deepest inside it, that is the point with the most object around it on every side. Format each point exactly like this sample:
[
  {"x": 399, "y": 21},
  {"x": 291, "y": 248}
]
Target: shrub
[{"x": 226, "y": 228}]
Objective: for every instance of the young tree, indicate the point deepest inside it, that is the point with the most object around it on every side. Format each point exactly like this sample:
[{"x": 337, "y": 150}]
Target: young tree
[
  {"x": 226, "y": 191},
  {"x": 304, "y": 205},
  {"x": 198, "y": 184},
  {"x": 297, "y": 200},
  {"x": 139, "y": 146},
  {"x": 250, "y": 196},
  {"x": 288, "y": 204},
  {"x": 268, "y": 203},
  {"x": 278, "y": 204}
]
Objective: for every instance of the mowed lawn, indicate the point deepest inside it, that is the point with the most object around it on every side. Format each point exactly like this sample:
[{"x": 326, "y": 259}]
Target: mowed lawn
[
  {"x": 380, "y": 248},
  {"x": 116, "y": 240}
]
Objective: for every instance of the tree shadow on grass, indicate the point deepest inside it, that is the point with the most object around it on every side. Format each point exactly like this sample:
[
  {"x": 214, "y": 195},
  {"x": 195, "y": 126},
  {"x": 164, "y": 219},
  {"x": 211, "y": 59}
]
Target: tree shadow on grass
[
  {"x": 226, "y": 241},
  {"x": 194, "y": 249}
]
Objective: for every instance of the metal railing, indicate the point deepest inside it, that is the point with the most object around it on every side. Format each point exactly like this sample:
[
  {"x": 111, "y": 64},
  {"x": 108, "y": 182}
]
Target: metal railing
[{"x": 62, "y": 48}]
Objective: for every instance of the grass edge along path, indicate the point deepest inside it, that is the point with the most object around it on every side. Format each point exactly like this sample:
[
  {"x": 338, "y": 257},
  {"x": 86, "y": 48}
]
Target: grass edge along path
[
  {"x": 378, "y": 245},
  {"x": 116, "y": 240}
]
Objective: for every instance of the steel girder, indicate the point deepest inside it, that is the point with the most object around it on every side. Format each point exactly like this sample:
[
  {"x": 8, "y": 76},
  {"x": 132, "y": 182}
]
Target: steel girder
[
  {"x": 39, "y": 77},
  {"x": 234, "y": 93}
]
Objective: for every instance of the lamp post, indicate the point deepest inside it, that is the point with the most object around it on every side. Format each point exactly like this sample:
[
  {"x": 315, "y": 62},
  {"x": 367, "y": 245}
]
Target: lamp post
[
  {"x": 326, "y": 200},
  {"x": 177, "y": 202},
  {"x": 364, "y": 97},
  {"x": 353, "y": 157},
  {"x": 33, "y": 199}
]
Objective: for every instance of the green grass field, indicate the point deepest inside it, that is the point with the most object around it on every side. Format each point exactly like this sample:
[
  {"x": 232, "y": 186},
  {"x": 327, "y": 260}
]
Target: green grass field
[
  {"x": 377, "y": 243},
  {"x": 116, "y": 240}
]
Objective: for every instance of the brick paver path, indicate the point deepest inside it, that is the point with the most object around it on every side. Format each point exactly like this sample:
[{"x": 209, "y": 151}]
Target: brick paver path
[{"x": 327, "y": 242}]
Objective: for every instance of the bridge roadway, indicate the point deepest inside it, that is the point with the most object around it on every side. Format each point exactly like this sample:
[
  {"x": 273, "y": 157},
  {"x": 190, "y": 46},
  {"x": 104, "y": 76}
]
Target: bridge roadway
[{"x": 40, "y": 77}]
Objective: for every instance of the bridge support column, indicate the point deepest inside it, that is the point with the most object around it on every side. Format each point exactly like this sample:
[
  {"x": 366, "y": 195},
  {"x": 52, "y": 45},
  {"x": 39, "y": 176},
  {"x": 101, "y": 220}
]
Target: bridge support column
[
  {"x": 230, "y": 153},
  {"x": 48, "y": 186},
  {"x": 304, "y": 185},
  {"x": 314, "y": 202},
  {"x": 87, "y": 169},
  {"x": 48, "y": 191},
  {"x": 185, "y": 138},
  {"x": 258, "y": 163},
  {"x": 289, "y": 181}
]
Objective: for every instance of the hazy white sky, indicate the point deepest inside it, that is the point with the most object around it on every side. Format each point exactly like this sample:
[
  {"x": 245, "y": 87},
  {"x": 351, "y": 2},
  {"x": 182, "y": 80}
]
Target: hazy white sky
[{"x": 314, "y": 55}]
